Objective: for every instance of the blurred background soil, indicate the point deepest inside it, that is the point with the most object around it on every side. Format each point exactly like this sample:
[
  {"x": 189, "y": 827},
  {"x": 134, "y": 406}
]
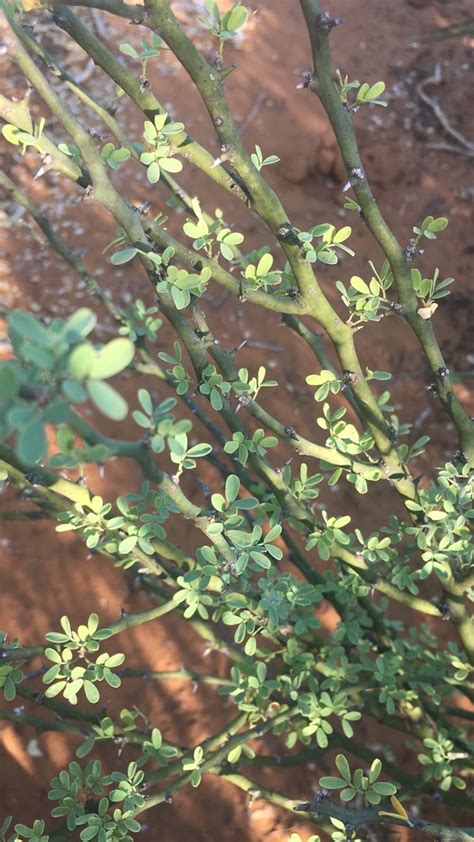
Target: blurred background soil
[{"x": 415, "y": 169}]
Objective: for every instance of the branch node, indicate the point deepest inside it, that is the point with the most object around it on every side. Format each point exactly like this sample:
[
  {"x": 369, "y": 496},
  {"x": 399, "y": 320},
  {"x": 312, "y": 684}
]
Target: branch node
[
  {"x": 460, "y": 456},
  {"x": 350, "y": 377},
  {"x": 326, "y": 22},
  {"x": 302, "y": 808},
  {"x": 285, "y": 230},
  {"x": 307, "y": 80},
  {"x": 356, "y": 175}
]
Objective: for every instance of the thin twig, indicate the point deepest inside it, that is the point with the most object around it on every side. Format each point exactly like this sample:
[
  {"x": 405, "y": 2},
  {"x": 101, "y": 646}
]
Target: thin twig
[{"x": 465, "y": 146}]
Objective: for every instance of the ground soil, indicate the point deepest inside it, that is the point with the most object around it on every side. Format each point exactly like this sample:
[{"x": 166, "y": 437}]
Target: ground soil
[{"x": 45, "y": 575}]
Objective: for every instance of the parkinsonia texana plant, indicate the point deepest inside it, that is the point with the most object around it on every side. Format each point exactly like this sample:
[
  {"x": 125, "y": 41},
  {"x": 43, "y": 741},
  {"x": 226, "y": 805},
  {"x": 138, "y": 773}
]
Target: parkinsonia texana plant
[{"x": 265, "y": 544}]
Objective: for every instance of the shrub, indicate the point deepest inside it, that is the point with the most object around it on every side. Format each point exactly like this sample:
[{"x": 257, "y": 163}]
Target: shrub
[{"x": 263, "y": 554}]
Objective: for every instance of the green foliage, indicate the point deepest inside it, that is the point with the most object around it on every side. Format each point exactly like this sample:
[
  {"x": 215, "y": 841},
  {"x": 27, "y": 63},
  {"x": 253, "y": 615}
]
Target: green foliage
[
  {"x": 139, "y": 320},
  {"x": 182, "y": 285},
  {"x": 35, "y": 833},
  {"x": 146, "y": 51},
  {"x": 259, "y": 161},
  {"x": 429, "y": 289},
  {"x": 365, "y": 93},
  {"x": 261, "y": 275},
  {"x": 208, "y": 235},
  {"x": 224, "y": 26},
  {"x": 19, "y": 137},
  {"x": 331, "y": 239},
  {"x": 69, "y": 456},
  {"x": 158, "y": 154},
  {"x": 430, "y": 227},
  {"x": 10, "y": 674},
  {"x": 367, "y": 301},
  {"x": 57, "y": 365},
  {"x": 351, "y": 784},
  {"x": 114, "y": 157},
  {"x": 322, "y": 613},
  {"x": 177, "y": 372},
  {"x": 68, "y": 675},
  {"x": 259, "y": 443},
  {"x": 438, "y": 762}
]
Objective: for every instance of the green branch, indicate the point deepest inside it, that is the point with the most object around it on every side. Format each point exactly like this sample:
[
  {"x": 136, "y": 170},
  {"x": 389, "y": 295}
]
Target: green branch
[
  {"x": 323, "y": 84},
  {"x": 378, "y": 815}
]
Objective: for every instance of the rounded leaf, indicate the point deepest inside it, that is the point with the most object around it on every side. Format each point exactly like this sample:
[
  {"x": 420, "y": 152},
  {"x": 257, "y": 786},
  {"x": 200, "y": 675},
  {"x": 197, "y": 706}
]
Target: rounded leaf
[
  {"x": 107, "y": 399},
  {"x": 9, "y": 382},
  {"x": 199, "y": 450},
  {"x": 232, "y": 486},
  {"x": 264, "y": 264},
  {"x": 81, "y": 360},
  {"x": 123, "y": 256},
  {"x": 112, "y": 358},
  {"x": 359, "y": 285},
  {"x": 383, "y": 788},
  {"x": 330, "y": 782},
  {"x": 128, "y": 544},
  {"x": 153, "y": 172},
  {"x": 343, "y": 767},
  {"x": 91, "y": 692},
  {"x": 31, "y": 442},
  {"x": 171, "y": 165},
  {"x": 375, "y": 770},
  {"x": 29, "y": 328}
]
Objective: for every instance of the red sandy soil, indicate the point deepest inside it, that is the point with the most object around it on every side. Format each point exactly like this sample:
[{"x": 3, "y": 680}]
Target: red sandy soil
[{"x": 45, "y": 575}]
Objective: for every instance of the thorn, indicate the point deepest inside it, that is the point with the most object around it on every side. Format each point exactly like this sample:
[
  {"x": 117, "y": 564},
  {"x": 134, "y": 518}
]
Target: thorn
[
  {"x": 302, "y": 808},
  {"x": 240, "y": 346},
  {"x": 307, "y": 79},
  {"x": 325, "y": 21}
]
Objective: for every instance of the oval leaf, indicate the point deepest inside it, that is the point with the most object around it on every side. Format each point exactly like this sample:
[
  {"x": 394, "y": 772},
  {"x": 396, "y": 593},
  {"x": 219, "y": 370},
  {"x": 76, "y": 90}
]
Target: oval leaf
[
  {"x": 112, "y": 358},
  {"x": 107, "y": 399}
]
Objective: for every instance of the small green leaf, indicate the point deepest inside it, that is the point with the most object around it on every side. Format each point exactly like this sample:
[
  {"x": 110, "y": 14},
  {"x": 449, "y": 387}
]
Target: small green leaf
[
  {"x": 9, "y": 382},
  {"x": 112, "y": 358},
  {"x": 146, "y": 401},
  {"x": 331, "y": 782},
  {"x": 375, "y": 770},
  {"x": 359, "y": 285},
  {"x": 171, "y": 165},
  {"x": 376, "y": 90},
  {"x": 232, "y": 486},
  {"x": 153, "y": 172},
  {"x": 29, "y": 328},
  {"x": 128, "y": 50},
  {"x": 107, "y": 399},
  {"x": 438, "y": 224},
  {"x": 123, "y": 256},
  {"x": 384, "y": 789},
  {"x": 91, "y": 692},
  {"x": 343, "y": 767},
  {"x": 81, "y": 360},
  {"x": 79, "y": 325},
  {"x": 127, "y": 545},
  {"x": 199, "y": 450},
  {"x": 234, "y": 19},
  {"x": 31, "y": 442}
]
